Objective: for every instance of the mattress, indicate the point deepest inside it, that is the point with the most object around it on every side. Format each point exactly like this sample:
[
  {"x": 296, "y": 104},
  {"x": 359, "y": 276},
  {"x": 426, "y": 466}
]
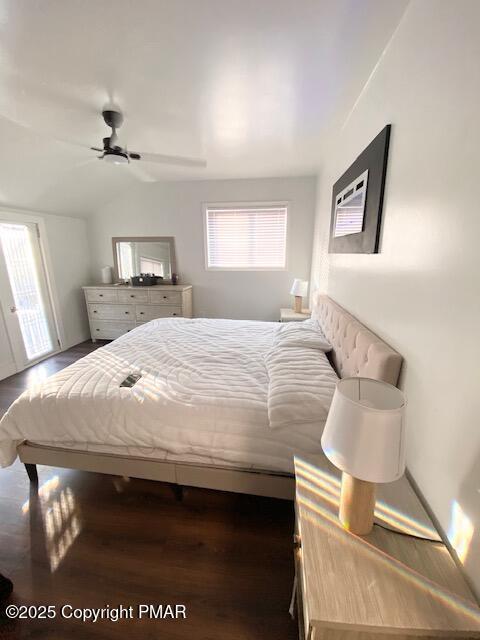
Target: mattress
[{"x": 202, "y": 396}]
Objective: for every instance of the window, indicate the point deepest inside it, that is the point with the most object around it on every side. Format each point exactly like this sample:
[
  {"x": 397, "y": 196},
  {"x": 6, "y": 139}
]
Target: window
[
  {"x": 150, "y": 265},
  {"x": 246, "y": 237}
]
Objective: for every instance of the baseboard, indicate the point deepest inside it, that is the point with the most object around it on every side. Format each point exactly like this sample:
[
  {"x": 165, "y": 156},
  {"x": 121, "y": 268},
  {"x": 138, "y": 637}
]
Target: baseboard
[
  {"x": 85, "y": 337},
  {"x": 443, "y": 535},
  {"x": 7, "y": 370}
]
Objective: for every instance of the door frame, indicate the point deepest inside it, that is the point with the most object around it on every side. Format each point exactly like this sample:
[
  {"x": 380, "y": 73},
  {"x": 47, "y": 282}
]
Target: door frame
[{"x": 11, "y": 214}]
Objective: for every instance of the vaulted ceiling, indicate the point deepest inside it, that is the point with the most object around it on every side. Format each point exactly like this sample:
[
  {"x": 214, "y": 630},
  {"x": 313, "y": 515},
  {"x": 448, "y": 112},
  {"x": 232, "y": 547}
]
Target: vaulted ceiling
[{"x": 253, "y": 86}]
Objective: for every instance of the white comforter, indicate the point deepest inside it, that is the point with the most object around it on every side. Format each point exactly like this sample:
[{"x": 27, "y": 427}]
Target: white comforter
[{"x": 203, "y": 392}]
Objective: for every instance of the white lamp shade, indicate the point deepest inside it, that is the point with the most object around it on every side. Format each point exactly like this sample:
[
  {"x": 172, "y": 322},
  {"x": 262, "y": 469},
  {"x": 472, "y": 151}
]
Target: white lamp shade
[
  {"x": 365, "y": 430},
  {"x": 299, "y": 288}
]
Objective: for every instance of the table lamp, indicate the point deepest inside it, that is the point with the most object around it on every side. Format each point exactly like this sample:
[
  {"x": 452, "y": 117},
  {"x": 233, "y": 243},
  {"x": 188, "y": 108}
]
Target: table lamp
[
  {"x": 299, "y": 290},
  {"x": 364, "y": 437}
]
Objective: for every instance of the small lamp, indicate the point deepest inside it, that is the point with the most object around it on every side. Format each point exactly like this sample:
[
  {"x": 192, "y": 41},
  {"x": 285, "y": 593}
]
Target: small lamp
[
  {"x": 299, "y": 290},
  {"x": 364, "y": 436}
]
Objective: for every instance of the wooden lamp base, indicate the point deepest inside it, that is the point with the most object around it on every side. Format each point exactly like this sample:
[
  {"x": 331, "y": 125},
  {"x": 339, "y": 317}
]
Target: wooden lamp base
[
  {"x": 357, "y": 504},
  {"x": 297, "y": 306}
]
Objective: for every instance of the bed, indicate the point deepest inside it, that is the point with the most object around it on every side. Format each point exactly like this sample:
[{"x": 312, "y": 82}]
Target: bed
[{"x": 221, "y": 404}]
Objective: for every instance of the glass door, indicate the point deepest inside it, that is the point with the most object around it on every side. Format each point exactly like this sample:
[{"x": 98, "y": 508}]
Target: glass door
[{"x": 26, "y": 304}]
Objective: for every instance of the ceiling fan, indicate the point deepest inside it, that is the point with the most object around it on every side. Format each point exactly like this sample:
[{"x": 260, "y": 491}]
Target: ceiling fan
[{"x": 112, "y": 152}]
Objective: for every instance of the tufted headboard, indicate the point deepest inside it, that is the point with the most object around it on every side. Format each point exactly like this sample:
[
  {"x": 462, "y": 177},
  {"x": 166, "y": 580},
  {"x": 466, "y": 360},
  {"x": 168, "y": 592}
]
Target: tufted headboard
[{"x": 356, "y": 350}]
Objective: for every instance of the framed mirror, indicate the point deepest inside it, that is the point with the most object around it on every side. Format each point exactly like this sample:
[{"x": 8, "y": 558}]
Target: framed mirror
[{"x": 136, "y": 255}]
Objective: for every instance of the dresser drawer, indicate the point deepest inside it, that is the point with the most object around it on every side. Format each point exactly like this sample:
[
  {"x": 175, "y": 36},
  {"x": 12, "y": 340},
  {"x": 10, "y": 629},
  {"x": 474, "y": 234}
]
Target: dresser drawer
[
  {"x": 110, "y": 330},
  {"x": 130, "y": 296},
  {"x": 150, "y": 312},
  {"x": 111, "y": 311},
  {"x": 166, "y": 297},
  {"x": 101, "y": 295}
]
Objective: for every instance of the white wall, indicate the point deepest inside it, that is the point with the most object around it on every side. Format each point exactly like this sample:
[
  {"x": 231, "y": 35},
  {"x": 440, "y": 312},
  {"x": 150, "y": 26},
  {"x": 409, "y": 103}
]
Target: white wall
[
  {"x": 7, "y": 360},
  {"x": 422, "y": 291},
  {"x": 175, "y": 209},
  {"x": 68, "y": 262}
]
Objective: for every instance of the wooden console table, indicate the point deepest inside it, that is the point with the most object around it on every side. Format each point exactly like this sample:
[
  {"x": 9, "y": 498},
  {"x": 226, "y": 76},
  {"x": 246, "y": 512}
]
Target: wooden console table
[{"x": 383, "y": 586}]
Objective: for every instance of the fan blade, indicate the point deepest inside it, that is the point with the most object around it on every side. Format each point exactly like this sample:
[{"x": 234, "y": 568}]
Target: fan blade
[
  {"x": 181, "y": 161},
  {"x": 85, "y": 162},
  {"x": 140, "y": 172}
]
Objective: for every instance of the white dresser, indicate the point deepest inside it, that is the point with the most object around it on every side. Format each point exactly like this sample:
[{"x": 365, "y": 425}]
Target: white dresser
[{"x": 114, "y": 310}]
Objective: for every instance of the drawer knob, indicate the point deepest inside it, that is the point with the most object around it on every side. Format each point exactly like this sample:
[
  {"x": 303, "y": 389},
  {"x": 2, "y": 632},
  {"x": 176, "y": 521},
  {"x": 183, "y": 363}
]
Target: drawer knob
[
  {"x": 127, "y": 312},
  {"x": 95, "y": 311},
  {"x": 132, "y": 295},
  {"x": 142, "y": 313},
  {"x": 174, "y": 314},
  {"x": 100, "y": 295},
  {"x": 164, "y": 297},
  {"x": 97, "y": 329}
]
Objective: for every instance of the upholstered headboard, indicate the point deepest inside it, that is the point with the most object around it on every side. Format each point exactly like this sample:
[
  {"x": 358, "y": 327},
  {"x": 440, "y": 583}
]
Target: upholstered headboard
[{"x": 356, "y": 350}]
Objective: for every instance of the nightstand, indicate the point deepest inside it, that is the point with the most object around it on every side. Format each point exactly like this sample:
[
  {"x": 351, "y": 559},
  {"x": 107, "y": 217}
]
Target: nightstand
[
  {"x": 383, "y": 585},
  {"x": 289, "y": 315}
]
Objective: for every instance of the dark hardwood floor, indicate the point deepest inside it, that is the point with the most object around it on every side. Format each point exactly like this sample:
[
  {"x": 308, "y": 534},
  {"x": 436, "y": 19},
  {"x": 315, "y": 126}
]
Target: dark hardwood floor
[
  {"x": 12, "y": 387},
  {"x": 91, "y": 540}
]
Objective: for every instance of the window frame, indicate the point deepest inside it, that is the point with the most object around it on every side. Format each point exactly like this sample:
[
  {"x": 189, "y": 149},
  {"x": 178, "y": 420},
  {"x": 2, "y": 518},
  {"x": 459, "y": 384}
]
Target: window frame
[{"x": 246, "y": 205}]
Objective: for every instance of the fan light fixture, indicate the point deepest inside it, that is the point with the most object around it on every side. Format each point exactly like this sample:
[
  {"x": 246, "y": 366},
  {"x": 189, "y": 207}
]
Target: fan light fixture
[
  {"x": 112, "y": 152},
  {"x": 115, "y": 158}
]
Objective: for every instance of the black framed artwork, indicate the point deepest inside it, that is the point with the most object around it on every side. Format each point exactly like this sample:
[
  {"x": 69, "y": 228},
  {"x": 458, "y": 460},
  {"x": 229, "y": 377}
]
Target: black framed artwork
[{"x": 357, "y": 200}]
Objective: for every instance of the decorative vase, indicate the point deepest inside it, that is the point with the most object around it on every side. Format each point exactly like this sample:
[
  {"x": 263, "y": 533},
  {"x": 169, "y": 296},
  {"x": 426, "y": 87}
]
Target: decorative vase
[{"x": 107, "y": 275}]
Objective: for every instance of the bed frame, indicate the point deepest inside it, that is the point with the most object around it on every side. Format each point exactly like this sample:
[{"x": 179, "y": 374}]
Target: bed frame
[{"x": 356, "y": 352}]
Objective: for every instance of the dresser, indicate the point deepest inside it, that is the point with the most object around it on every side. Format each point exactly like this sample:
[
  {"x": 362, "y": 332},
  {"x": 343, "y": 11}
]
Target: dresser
[
  {"x": 389, "y": 584},
  {"x": 115, "y": 310}
]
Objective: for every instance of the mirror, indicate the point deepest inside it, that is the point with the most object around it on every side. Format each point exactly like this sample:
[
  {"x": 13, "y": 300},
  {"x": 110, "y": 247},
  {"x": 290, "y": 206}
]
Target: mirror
[{"x": 133, "y": 256}]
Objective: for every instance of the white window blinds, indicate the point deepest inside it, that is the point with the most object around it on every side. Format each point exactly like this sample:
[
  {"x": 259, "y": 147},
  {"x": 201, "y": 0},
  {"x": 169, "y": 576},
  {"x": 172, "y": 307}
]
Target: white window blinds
[{"x": 246, "y": 238}]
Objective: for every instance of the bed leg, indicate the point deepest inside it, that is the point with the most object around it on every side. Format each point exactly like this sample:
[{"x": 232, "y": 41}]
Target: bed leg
[
  {"x": 177, "y": 492},
  {"x": 32, "y": 472}
]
